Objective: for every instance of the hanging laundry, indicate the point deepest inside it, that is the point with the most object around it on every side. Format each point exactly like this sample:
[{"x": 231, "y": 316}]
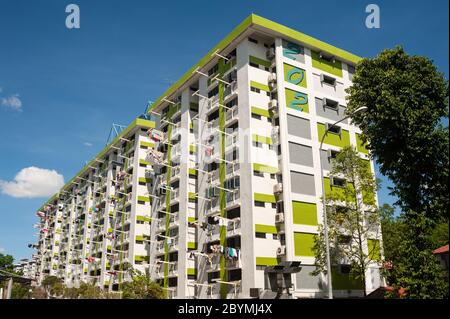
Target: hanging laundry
[
  {"x": 40, "y": 214},
  {"x": 209, "y": 150}
]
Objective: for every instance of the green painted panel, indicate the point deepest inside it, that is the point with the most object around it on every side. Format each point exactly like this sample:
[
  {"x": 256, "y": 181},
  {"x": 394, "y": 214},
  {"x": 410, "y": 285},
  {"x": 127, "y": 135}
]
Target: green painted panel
[
  {"x": 327, "y": 66},
  {"x": 192, "y": 195},
  {"x": 336, "y": 190},
  {"x": 304, "y": 213},
  {"x": 259, "y": 228},
  {"x": 191, "y": 219},
  {"x": 141, "y": 161},
  {"x": 147, "y": 144},
  {"x": 192, "y": 245},
  {"x": 144, "y": 199},
  {"x": 141, "y": 258},
  {"x": 260, "y": 86},
  {"x": 260, "y": 111},
  {"x": 294, "y": 75},
  {"x": 265, "y": 168},
  {"x": 344, "y": 281},
  {"x": 360, "y": 146},
  {"x": 340, "y": 140},
  {"x": 192, "y": 171},
  {"x": 143, "y": 218},
  {"x": 145, "y": 180},
  {"x": 262, "y": 139},
  {"x": 303, "y": 244},
  {"x": 374, "y": 249},
  {"x": 267, "y": 261},
  {"x": 191, "y": 271},
  {"x": 192, "y": 148},
  {"x": 259, "y": 61},
  {"x": 267, "y": 198},
  {"x": 297, "y": 100}
]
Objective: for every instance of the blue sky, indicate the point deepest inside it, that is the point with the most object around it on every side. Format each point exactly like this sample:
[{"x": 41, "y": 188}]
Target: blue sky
[{"x": 61, "y": 89}]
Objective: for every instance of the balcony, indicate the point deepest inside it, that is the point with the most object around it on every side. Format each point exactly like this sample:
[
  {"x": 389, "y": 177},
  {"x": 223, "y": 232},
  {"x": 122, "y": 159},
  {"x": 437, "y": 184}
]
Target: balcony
[
  {"x": 231, "y": 115},
  {"x": 230, "y": 91}
]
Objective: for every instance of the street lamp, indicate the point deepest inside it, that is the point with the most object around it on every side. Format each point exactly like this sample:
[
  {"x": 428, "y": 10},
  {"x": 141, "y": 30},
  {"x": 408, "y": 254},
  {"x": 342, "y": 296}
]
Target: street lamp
[{"x": 362, "y": 109}]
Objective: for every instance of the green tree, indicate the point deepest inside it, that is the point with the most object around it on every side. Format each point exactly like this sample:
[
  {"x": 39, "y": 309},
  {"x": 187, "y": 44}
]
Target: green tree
[
  {"x": 353, "y": 220},
  {"x": 6, "y": 262},
  {"x": 21, "y": 291},
  {"x": 407, "y": 98},
  {"x": 53, "y": 286},
  {"x": 141, "y": 287}
]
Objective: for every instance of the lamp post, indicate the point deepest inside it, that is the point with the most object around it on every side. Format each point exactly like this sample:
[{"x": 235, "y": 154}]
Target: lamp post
[{"x": 324, "y": 207}]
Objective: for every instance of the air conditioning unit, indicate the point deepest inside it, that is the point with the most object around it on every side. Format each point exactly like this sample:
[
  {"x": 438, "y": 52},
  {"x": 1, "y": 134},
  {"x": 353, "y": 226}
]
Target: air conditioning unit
[
  {"x": 277, "y": 188},
  {"x": 273, "y": 104},
  {"x": 272, "y": 78},
  {"x": 279, "y": 218},
  {"x": 281, "y": 250},
  {"x": 270, "y": 54}
]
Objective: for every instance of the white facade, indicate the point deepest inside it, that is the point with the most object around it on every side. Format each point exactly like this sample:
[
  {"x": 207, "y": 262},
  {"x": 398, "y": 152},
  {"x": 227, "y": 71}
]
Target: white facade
[{"x": 239, "y": 187}]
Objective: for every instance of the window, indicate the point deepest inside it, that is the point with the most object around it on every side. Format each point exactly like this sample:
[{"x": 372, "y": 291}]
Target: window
[
  {"x": 327, "y": 57},
  {"x": 334, "y": 129},
  {"x": 258, "y": 174},
  {"x": 254, "y": 65},
  {"x": 338, "y": 182},
  {"x": 332, "y": 154},
  {"x": 253, "y": 40},
  {"x": 331, "y": 104},
  {"x": 274, "y": 205},
  {"x": 266, "y": 69},
  {"x": 328, "y": 79},
  {"x": 344, "y": 240},
  {"x": 260, "y": 235},
  {"x": 213, "y": 70},
  {"x": 253, "y": 89},
  {"x": 213, "y": 92},
  {"x": 256, "y": 116},
  {"x": 344, "y": 269},
  {"x": 257, "y": 144},
  {"x": 260, "y": 204},
  {"x": 272, "y": 176},
  {"x": 268, "y": 94}
]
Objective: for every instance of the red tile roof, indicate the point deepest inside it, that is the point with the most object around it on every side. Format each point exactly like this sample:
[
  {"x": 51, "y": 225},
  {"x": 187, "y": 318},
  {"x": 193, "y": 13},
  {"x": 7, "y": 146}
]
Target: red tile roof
[{"x": 441, "y": 250}]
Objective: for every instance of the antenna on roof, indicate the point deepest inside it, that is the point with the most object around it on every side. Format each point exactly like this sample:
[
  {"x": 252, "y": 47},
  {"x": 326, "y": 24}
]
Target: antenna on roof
[{"x": 115, "y": 130}]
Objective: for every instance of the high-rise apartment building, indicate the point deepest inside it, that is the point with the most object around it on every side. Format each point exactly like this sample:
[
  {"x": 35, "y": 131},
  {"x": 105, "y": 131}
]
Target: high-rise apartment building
[{"x": 220, "y": 179}]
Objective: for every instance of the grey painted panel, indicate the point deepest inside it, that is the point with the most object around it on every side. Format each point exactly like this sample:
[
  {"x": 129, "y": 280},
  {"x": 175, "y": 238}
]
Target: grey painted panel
[
  {"x": 304, "y": 280},
  {"x": 300, "y": 154},
  {"x": 334, "y": 115},
  {"x": 298, "y": 126},
  {"x": 302, "y": 183},
  {"x": 326, "y": 164}
]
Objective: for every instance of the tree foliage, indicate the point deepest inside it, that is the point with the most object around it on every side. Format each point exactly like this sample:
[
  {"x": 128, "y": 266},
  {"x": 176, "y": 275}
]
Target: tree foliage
[
  {"x": 6, "y": 262},
  {"x": 407, "y": 98},
  {"x": 141, "y": 287},
  {"x": 350, "y": 222}
]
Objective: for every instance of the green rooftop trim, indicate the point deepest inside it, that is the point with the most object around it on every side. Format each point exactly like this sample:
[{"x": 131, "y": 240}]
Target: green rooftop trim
[
  {"x": 267, "y": 261},
  {"x": 267, "y": 198},
  {"x": 263, "y": 168},
  {"x": 262, "y": 139},
  {"x": 259, "y": 61},
  {"x": 260, "y": 86},
  {"x": 259, "y": 23},
  {"x": 147, "y": 144},
  {"x": 260, "y": 111},
  {"x": 136, "y": 123},
  {"x": 269, "y": 229},
  {"x": 144, "y": 199}
]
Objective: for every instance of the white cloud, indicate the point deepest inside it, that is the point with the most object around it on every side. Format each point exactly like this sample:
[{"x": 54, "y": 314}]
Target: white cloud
[
  {"x": 12, "y": 102},
  {"x": 32, "y": 182},
  {"x": 2, "y": 250},
  {"x": 87, "y": 144}
]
